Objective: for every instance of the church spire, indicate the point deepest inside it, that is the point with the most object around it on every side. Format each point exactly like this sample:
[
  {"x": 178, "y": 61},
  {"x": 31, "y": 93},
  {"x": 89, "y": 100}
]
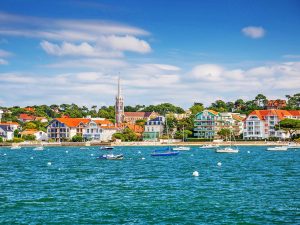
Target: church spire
[{"x": 119, "y": 106}]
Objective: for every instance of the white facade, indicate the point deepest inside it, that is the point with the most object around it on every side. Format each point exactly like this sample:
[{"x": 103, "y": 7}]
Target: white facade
[
  {"x": 1, "y": 113},
  {"x": 254, "y": 128},
  {"x": 93, "y": 131},
  {"x": 41, "y": 136}
]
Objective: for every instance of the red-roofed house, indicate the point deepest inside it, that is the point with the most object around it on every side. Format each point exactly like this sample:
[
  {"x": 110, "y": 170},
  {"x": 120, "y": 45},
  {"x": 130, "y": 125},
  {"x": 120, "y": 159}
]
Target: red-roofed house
[
  {"x": 276, "y": 104},
  {"x": 137, "y": 129},
  {"x": 26, "y": 117},
  {"x": 132, "y": 117},
  {"x": 99, "y": 130},
  {"x": 260, "y": 124}
]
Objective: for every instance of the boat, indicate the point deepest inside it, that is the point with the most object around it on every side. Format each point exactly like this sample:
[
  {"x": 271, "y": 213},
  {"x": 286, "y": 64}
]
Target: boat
[
  {"x": 227, "y": 150},
  {"x": 209, "y": 146},
  {"x": 112, "y": 157},
  {"x": 40, "y": 148},
  {"x": 292, "y": 145},
  {"x": 167, "y": 151},
  {"x": 278, "y": 148},
  {"x": 16, "y": 147},
  {"x": 182, "y": 148},
  {"x": 106, "y": 148}
]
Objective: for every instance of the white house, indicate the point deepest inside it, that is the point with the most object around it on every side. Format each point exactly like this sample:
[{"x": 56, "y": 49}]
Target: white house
[
  {"x": 39, "y": 135},
  {"x": 260, "y": 124},
  {"x": 6, "y": 132},
  {"x": 99, "y": 129},
  {"x": 154, "y": 129}
]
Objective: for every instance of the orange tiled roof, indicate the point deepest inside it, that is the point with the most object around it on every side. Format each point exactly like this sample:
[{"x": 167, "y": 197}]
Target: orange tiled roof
[
  {"x": 137, "y": 114},
  {"x": 281, "y": 114},
  {"x": 213, "y": 111},
  {"x": 104, "y": 123},
  {"x": 237, "y": 117},
  {"x": 73, "y": 122},
  {"x": 9, "y": 123},
  {"x": 30, "y": 109},
  {"x": 40, "y": 118},
  {"x": 25, "y": 116},
  {"x": 29, "y": 132},
  {"x": 276, "y": 103},
  {"x": 136, "y": 128}
]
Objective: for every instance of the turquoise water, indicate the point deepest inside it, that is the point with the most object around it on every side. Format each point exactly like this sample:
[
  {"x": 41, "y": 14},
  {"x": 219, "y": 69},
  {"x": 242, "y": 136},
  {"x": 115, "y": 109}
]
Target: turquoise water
[{"x": 259, "y": 187}]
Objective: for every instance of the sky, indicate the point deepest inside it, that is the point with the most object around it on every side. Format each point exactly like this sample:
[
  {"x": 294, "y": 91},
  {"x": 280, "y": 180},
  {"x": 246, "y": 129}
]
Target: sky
[{"x": 73, "y": 51}]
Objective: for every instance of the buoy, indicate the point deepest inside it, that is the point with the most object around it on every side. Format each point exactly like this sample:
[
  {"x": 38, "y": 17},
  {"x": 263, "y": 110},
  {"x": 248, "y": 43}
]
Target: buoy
[
  {"x": 219, "y": 164},
  {"x": 196, "y": 174},
  {"x": 4, "y": 154},
  {"x": 139, "y": 152},
  {"x": 92, "y": 154},
  {"x": 58, "y": 168},
  {"x": 31, "y": 157},
  {"x": 143, "y": 158},
  {"x": 67, "y": 151},
  {"x": 49, "y": 163},
  {"x": 248, "y": 151}
]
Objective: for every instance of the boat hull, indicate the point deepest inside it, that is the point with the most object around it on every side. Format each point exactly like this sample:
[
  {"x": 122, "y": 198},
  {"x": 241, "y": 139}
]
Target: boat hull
[
  {"x": 165, "y": 154},
  {"x": 181, "y": 148}
]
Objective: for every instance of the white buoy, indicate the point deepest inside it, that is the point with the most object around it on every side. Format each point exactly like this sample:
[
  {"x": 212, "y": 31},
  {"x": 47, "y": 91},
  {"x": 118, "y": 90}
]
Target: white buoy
[
  {"x": 143, "y": 158},
  {"x": 139, "y": 152},
  {"x": 196, "y": 174},
  {"x": 67, "y": 151},
  {"x": 92, "y": 154},
  {"x": 58, "y": 168},
  {"x": 248, "y": 151},
  {"x": 49, "y": 163},
  {"x": 31, "y": 157},
  {"x": 4, "y": 154},
  {"x": 219, "y": 164}
]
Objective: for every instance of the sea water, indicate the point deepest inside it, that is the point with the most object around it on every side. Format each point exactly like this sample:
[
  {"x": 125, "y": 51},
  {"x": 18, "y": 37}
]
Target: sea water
[{"x": 67, "y": 185}]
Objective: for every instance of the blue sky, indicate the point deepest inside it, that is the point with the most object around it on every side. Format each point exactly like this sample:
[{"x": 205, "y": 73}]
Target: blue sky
[{"x": 164, "y": 51}]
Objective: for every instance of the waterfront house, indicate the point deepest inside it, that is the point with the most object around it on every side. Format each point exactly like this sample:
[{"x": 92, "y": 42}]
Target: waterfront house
[
  {"x": 132, "y": 117},
  {"x": 208, "y": 123},
  {"x": 23, "y": 117},
  {"x": 137, "y": 129},
  {"x": 61, "y": 129},
  {"x": 260, "y": 124},
  {"x": 276, "y": 104},
  {"x": 154, "y": 128},
  {"x": 39, "y": 135},
  {"x": 99, "y": 129},
  {"x": 6, "y": 132}
]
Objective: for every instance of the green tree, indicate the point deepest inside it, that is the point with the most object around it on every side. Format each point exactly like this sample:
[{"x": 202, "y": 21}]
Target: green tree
[
  {"x": 289, "y": 125},
  {"x": 219, "y": 106},
  {"x": 1, "y": 139},
  {"x": 119, "y": 136},
  {"x": 197, "y": 107},
  {"x": 30, "y": 125},
  {"x": 29, "y": 137},
  {"x": 140, "y": 122},
  {"x": 224, "y": 133},
  {"x": 261, "y": 100},
  {"x": 129, "y": 135},
  {"x": 293, "y": 101},
  {"x": 17, "y": 133},
  {"x": 77, "y": 138}
]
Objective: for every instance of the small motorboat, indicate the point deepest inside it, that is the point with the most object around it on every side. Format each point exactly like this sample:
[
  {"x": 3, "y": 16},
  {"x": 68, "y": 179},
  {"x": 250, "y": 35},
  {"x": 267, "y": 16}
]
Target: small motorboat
[
  {"x": 227, "y": 150},
  {"x": 164, "y": 152},
  {"x": 16, "y": 147},
  {"x": 292, "y": 145},
  {"x": 209, "y": 146},
  {"x": 112, "y": 157},
  {"x": 40, "y": 148},
  {"x": 181, "y": 148},
  {"x": 278, "y": 148},
  {"x": 106, "y": 148}
]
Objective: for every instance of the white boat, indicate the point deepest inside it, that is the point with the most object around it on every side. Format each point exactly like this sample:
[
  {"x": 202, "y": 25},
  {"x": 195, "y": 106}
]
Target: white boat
[
  {"x": 16, "y": 147},
  {"x": 181, "y": 148},
  {"x": 278, "y": 148},
  {"x": 292, "y": 145},
  {"x": 209, "y": 146},
  {"x": 227, "y": 150},
  {"x": 40, "y": 148}
]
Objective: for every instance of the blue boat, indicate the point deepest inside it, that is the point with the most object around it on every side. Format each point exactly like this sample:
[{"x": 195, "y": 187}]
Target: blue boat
[
  {"x": 164, "y": 152},
  {"x": 106, "y": 148}
]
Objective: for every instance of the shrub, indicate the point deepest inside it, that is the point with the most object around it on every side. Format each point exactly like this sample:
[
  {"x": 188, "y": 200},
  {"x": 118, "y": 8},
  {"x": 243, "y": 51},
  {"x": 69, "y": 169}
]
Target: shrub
[
  {"x": 18, "y": 140},
  {"x": 29, "y": 137},
  {"x": 77, "y": 138},
  {"x": 1, "y": 139}
]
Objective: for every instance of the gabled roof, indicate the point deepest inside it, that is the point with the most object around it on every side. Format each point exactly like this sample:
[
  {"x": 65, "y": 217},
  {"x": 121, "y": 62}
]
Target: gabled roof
[
  {"x": 135, "y": 128},
  {"x": 104, "y": 123},
  {"x": 237, "y": 117},
  {"x": 29, "y": 132},
  {"x": 138, "y": 114},
  {"x": 6, "y": 128},
  {"x": 9, "y": 123},
  {"x": 25, "y": 116},
  {"x": 281, "y": 114},
  {"x": 213, "y": 112},
  {"x": 73, "y": 122}
]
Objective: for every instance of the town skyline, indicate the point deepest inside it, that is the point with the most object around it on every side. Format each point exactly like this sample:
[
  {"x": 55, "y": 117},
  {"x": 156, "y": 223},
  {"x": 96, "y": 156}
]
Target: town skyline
[{"x": 74, "y": 51}]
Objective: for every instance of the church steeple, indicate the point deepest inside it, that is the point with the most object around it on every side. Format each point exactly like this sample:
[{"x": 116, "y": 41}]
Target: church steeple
[{"x": 119, "y": 106}]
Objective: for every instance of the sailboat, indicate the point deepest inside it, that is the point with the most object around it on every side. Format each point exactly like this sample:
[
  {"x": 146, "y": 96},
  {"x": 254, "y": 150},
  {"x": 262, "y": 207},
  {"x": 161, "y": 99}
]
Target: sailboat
[
  {"x": 168, "y": 151},
  {"x": 229, "y": 149},
  {"x": 182, "y": 148}
]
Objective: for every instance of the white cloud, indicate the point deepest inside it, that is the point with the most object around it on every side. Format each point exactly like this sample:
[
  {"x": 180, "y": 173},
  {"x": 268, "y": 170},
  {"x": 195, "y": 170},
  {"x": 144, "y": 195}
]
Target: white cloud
[
  {"x": 208, "y": 72},
  {"x": 254, "y": 32},
  {"x": 83, "y": 49},
  {"x": 125, "y": 43}
]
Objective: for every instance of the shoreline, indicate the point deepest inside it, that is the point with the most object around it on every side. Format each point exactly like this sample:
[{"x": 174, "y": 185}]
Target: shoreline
[{"x": 86, "y": 144}]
